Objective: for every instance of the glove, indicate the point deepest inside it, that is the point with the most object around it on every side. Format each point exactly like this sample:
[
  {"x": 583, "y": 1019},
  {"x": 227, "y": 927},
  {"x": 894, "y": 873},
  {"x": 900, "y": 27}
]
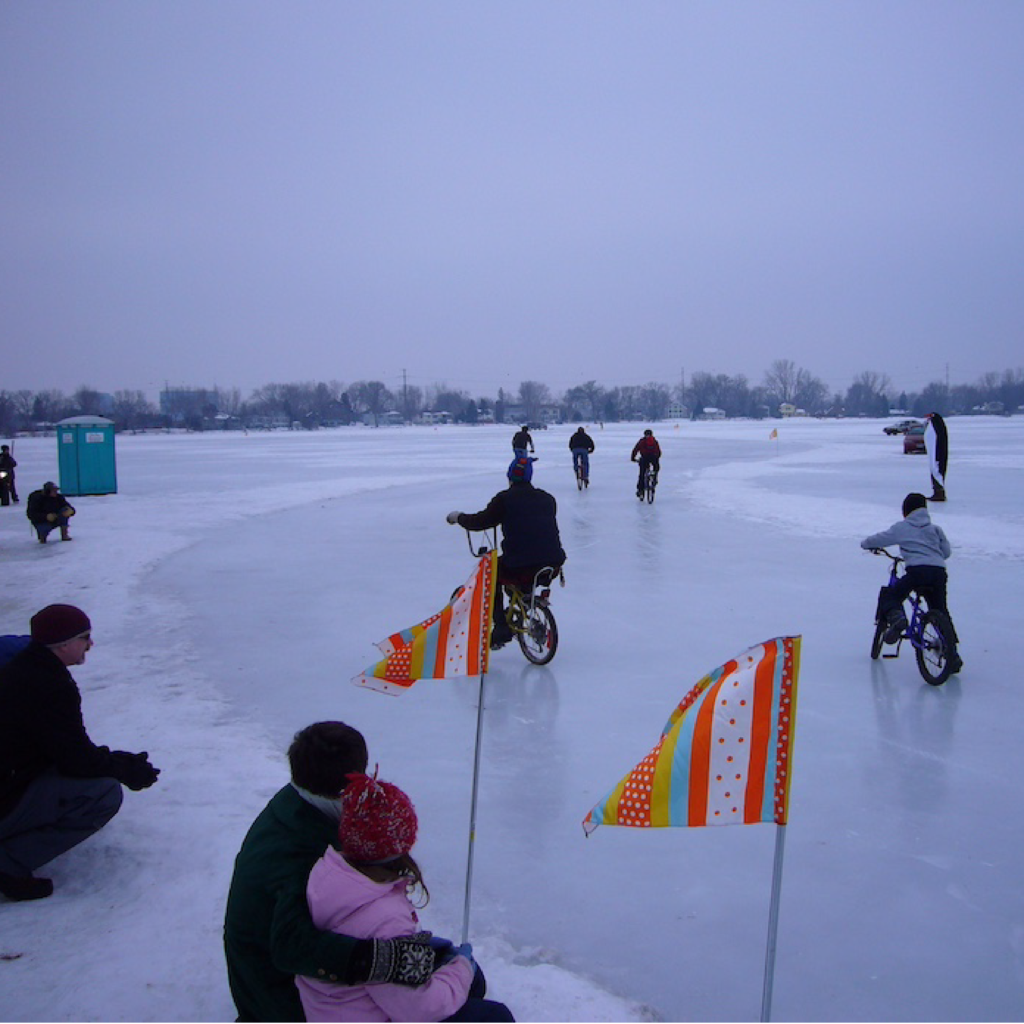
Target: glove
[
  {"x": 453, "y": 517},
  {"x": 134, "y": 770},
  {"x": 408, "y": 960},
  {"x": 51, "y": 517},
  {"x": 443, "y": 949}
]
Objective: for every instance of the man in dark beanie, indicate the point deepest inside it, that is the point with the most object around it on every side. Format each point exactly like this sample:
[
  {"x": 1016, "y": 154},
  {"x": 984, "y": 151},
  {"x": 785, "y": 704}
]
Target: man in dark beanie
[
  {"x": 49, "y": 510},
  {"x": 530, "y": 541},
  {"x": 56, "y": 786},
  {"x": 269, "y": 935}
]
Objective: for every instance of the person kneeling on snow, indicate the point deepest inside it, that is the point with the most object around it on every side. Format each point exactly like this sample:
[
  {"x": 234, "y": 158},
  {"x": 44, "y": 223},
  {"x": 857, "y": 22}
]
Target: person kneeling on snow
[
  {"x": 56, "y": 786},
  {"x": 363, "y": 888},
  {"x": 47, "y": 510},
  {"x": 269, "y": 935},
  {"x": 924, "y": 549}
]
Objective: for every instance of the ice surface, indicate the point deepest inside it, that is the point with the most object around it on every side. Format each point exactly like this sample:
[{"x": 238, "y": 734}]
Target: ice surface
[{"x": 237, "y": 582}]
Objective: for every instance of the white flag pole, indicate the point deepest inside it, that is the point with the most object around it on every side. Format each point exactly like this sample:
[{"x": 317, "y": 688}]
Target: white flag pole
[
  {"x": 472, "y": 811},
  {"x": 773, "y": 924}
]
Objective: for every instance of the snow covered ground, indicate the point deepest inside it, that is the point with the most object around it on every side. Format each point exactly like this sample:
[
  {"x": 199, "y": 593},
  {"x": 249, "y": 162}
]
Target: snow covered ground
[{"x": 237, "y": 582}]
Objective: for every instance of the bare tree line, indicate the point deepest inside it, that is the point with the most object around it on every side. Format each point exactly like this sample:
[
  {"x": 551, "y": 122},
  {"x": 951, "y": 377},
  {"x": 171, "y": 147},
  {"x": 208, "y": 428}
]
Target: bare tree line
[{"x": 785, "y": 387}]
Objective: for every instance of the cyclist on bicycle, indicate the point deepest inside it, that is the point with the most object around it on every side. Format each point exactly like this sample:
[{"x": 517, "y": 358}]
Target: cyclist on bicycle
[
  {"x": 581, "y": 445},
  {"x": 647, "y": 452},
  {"x": 530, "y": 539},
  {"x": 924, "y": 549},
  {"x": 521, "y": 440}
]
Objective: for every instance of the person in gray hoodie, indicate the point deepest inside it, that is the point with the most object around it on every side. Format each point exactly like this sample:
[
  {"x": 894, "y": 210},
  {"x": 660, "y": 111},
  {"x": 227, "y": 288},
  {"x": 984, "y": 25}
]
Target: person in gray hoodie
[{"x": 924, "y": 548}]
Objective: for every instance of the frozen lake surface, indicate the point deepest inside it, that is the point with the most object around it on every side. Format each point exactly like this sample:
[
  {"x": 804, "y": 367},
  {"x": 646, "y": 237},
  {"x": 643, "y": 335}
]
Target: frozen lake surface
[{"x": 238, "y": 582}]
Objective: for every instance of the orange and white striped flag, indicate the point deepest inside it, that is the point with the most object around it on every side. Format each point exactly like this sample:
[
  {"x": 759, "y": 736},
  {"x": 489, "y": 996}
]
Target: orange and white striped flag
[
  {"x": 454, "y": 642},
  {"x": 724, "y": 757}
]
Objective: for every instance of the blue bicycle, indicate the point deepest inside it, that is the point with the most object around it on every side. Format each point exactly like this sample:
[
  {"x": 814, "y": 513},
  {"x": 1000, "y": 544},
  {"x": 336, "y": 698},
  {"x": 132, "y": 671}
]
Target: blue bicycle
[{"x": 929, "y": 631}]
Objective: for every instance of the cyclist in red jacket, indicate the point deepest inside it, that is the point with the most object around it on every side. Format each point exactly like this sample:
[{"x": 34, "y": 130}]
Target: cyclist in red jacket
[{"x": 647, "y": 452}]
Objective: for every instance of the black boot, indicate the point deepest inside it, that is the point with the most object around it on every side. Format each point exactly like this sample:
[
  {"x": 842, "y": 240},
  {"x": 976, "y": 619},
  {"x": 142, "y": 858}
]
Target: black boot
[
  {"x": 27, "y": 888},
  {"x": 897, "y": 624}
]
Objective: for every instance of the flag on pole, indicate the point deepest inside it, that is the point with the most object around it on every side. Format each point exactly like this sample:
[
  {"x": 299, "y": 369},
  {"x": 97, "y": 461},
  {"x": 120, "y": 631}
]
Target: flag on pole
[
  {"x": 774, "y": 435},
  {"x": 454, "y": 642},
  {"x": 724, "y": 757}
]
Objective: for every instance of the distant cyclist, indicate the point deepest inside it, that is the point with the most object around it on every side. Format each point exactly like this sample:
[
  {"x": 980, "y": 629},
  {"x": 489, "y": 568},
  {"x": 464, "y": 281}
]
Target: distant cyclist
[
  {"x": 581, "y": 445},
  {"x": 521, "y": 440},
  {"x": 647, "y": 452}
]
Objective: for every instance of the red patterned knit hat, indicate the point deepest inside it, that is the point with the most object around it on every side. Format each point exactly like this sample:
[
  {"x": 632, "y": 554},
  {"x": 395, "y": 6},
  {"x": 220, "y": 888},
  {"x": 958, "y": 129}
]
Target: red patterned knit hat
[{"x": 378, "y": 821}]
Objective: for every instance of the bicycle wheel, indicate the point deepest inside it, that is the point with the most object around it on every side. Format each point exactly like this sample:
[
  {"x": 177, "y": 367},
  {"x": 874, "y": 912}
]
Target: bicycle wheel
[
  {"x": 539, "y": 637},
  {"x": 876, "y": 643},
  {"x": 650, "y": 483},
  {"x": 932, "y": 650}
]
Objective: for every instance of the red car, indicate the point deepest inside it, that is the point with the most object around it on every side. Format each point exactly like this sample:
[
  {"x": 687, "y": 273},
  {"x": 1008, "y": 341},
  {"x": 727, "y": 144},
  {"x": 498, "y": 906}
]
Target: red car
[{"x": 913, "y": 440}]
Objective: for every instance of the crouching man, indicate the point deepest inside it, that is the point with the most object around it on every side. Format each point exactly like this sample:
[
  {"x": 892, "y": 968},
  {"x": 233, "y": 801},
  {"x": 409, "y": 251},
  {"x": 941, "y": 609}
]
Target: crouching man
[{"x": 57, "y": 787}]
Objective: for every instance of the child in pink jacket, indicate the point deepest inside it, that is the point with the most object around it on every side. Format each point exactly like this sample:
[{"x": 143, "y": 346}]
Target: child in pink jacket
[{"x": 363, "y": 889}]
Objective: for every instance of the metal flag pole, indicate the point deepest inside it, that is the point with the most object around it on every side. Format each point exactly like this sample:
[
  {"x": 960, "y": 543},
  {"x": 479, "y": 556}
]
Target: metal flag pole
[
  {"x": 479, "y": 733},
  {"x": 773, "y": 924},
  {"x": 472, "y": 811}
]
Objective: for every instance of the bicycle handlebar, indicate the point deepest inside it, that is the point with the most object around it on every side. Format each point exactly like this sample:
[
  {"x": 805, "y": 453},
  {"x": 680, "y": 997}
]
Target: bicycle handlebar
[
  {"x": 888, "y": 554},
  {"x": 480, "y": 552}
]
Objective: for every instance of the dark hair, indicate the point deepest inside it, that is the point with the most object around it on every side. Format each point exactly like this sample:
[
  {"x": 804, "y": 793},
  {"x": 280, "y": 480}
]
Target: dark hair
[
  {"x": 912, "y": 502},
  {"x": 322, "y": 754}
]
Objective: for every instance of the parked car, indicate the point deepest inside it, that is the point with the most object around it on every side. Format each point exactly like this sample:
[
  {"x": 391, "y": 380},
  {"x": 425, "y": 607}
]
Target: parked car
[
  {"x": 902, "y": 427},
  {"x": 913, "y": 440}
]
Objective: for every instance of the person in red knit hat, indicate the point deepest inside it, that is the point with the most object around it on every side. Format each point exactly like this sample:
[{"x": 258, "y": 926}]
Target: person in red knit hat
[{"x": 364, "y": 889}]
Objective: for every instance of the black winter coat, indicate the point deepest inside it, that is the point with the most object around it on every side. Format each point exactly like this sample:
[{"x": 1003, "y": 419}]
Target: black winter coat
[
  {"x": 40, "y": 505},
  {"x": 41, "y": 726},
  {"x": 529, "y": 528}
]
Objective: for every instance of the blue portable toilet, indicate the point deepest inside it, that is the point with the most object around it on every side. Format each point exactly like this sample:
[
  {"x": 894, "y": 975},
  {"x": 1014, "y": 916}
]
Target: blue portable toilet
[{"x": 85, "y": 455}]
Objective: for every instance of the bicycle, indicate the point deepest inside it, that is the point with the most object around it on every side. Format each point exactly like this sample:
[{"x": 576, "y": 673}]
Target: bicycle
[
  {"x": 928, "y": 630},
  {"x": 648, "y": 483},
  {"x": 528, "y": 611},
  {"x": 582, "y": 480}
]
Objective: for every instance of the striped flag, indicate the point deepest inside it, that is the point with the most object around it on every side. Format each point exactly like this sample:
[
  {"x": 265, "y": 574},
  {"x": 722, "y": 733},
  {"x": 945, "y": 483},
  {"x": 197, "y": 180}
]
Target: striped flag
[
  {"x": 454, "y": 642},
  {"x": 724, "y": 756},
  {"x": 773, "y": 436}
]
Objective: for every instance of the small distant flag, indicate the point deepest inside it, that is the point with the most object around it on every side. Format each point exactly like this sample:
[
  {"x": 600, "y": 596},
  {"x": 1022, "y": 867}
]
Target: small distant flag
[
  {"x": 454, "y": 642},
  {"x": 724, "y": 757},
  {"x": 774, "y": 435}
]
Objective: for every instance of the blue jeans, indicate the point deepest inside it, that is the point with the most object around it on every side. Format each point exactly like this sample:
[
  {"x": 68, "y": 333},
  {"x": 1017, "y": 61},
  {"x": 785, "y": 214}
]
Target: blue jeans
[
  {"x": 55, "y": 813},
  {"x": 581, "y": 455}
]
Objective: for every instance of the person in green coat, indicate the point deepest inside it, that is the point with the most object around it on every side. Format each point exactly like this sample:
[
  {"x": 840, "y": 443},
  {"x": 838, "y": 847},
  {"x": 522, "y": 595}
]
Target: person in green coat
[{"x": 269, "y": 936}]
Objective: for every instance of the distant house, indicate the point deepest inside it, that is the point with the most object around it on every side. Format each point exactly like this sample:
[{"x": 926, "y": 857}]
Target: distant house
[
  {"x": 433, "y": 418},
  {"x": 383, "y": 419},
  {"x": 711, "y": 412}
]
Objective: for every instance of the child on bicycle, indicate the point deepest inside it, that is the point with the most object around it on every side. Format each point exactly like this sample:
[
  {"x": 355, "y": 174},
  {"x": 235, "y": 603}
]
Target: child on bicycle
[{"x": 924, "y": 549}]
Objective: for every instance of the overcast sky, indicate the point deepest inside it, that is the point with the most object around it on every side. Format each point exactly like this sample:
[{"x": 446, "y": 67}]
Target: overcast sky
[{"x": 238, "y": 193}]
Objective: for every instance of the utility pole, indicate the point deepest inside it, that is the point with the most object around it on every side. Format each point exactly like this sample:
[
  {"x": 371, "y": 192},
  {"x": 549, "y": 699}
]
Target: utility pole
[{"x": 405, "y": 396}]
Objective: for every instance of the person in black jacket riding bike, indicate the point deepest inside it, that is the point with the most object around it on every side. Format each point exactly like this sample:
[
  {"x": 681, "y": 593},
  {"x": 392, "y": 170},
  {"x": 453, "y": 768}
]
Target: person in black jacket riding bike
[{"x": 530, "y": 538}]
